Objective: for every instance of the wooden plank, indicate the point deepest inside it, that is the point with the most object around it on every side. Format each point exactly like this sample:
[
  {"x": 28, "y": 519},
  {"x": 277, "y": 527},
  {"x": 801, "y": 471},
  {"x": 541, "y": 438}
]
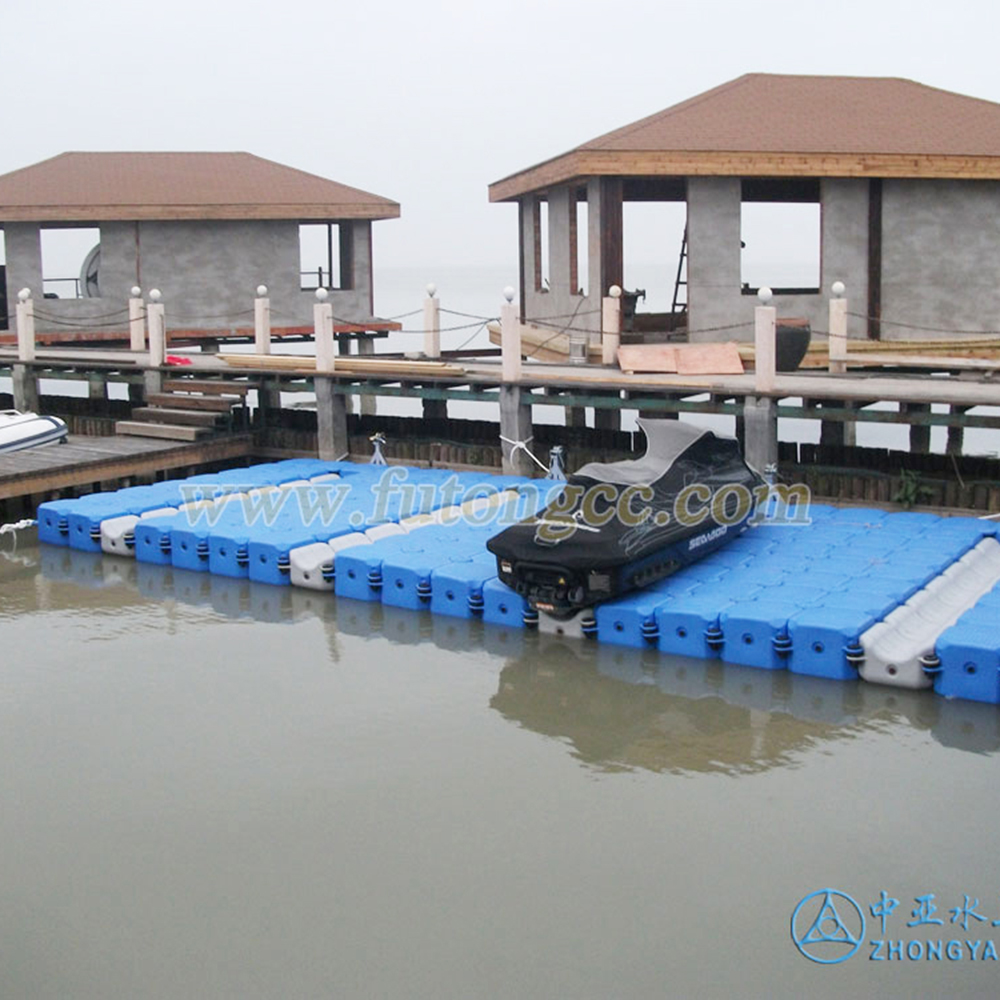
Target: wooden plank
[
  {"x": 204, "y": 385},
  {"x": 125, "y": 457},
  {"x": 936, "y": 362},
  {"x": 172, "y": 400},
  {"x": 160, "y": 415},
  {"x": 346, "y": 365},
  {"x": 175, "y": 432}
]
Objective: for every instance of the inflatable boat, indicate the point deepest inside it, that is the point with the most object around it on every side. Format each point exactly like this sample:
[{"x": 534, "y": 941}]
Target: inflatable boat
[
  {"x": 29, "y": 430},
  {"x": 616, "y": 527}
]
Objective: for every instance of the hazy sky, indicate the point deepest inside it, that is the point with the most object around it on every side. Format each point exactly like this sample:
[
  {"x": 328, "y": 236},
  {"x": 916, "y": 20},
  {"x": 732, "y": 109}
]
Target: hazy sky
[{"x": 428, "y": 102}]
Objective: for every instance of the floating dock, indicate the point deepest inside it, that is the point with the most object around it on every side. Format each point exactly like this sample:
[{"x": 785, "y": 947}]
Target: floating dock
[{"x": 900, "y": 599}]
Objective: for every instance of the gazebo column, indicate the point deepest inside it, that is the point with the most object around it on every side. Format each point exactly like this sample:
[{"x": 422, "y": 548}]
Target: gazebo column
[{"x": 714, "y": 274}]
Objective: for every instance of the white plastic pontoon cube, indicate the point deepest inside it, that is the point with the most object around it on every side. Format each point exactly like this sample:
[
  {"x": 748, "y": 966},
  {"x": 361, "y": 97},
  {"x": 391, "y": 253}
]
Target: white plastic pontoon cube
[
  {"x": 312, "y": 566},
  {"x": 895, "y": 647},
  {"x": 118, "y": 533},
  {"x": 115, "y": 531}
]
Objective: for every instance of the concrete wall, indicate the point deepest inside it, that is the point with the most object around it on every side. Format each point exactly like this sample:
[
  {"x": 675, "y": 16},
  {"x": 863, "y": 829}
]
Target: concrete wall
[
  {"x": 207, "y": 272},
  {"x": 560, "y": 299},
  {"x": 940, "y": 256},
  {"x": 715, "y": 293}
]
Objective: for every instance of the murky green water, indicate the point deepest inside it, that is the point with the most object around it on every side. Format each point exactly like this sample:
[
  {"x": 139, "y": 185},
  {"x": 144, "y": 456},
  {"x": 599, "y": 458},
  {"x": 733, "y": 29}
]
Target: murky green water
[{"x": 215, "y": 789}]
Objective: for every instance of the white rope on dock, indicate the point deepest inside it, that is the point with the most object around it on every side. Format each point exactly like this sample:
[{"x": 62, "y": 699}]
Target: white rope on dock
[
  {"x": 8, "y": 529},
  {"x": 516, "y": 446},
  {"x": 14, "y": 527}
]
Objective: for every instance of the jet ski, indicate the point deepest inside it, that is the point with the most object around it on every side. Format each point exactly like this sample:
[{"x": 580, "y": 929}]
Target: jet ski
[
  {"x": 28, "y": 430},
  {"x": 619, "y": 526}
]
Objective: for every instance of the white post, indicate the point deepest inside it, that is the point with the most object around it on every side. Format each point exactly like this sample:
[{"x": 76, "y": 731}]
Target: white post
[
  {"x": 764, "y": 333},
  {"x": 136, "y": 320},
  {"x": 838, "y": 330},
  {"x": 25, "y": 325},
  {"x": 262, "y": 321},
  {"x": 432, "y": 324},
  {"x": 611, "y": 325},
  {"x": 326, "y": 349},
  {"x": 510, "y": 338},
  {"x": 156, "y": 318}
]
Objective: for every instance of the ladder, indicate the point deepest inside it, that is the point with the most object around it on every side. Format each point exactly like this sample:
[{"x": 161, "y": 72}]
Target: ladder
[{"x": 679, "y": 281}]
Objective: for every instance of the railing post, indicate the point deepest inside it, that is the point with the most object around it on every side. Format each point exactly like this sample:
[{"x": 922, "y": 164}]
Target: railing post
[
  {"x": 611, "y": 325},
  {"x": 764, "y": 333},
  {"x": 262, "y": 321},
  {"x": 25, "y": 325},
  {"x": 326, "y": 353},
  {"x": 136, "y": 320},
  {"x": 510, "y": 338},
  {"x": 837, "y": 342},
  {"x": 156, "y": 317},
  {"x": 432, "y": 323}
]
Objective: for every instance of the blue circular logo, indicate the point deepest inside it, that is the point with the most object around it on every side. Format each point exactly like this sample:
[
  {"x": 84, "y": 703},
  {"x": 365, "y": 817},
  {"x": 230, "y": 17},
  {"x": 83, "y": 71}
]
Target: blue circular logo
[{"x": 828, "y": 926}]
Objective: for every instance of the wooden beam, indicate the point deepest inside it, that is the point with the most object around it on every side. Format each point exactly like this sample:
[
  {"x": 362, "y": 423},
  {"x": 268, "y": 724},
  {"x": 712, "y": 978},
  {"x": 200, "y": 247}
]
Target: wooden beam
[
  {"x": 612, "y": 267},
  {"x": 169, "y": 213},
  {"x": 875, "y": 258},
  {"x": 661, "y": 163}
]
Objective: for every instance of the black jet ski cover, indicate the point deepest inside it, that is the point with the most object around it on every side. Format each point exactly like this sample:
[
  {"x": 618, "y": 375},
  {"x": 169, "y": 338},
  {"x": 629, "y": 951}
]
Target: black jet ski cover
[{"x": 623, "y": 525}]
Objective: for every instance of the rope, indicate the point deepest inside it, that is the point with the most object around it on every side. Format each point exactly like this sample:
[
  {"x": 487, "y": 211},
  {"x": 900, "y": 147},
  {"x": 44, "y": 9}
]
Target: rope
[
  {"x": 117, "y": 312},
  {"x": 559, "y": 333},
  {"x": 516, "y": 446},
  {"x": 14, "y": 527},
  {"x": 465, "y": 343},
  {"x": 198, "y": 316},
  {"x": 9, "y": 529},
  {"x": 452, "y": 312},
  {"x": 55, "y": 321},
  {"x": 572, "y": 315}
]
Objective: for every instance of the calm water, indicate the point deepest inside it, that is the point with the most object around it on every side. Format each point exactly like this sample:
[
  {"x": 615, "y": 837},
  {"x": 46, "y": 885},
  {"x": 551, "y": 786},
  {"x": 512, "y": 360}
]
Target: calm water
[{"x": 216, "y": 789}]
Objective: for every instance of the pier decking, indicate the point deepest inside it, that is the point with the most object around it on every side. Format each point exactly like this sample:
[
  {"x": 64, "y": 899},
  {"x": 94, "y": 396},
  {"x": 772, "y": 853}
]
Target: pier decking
[{"x": 84, "y": 460}]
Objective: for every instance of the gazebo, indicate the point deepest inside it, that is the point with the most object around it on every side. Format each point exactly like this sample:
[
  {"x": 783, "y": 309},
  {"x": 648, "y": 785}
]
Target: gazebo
[
  {"x": 204, "y": 228},
  {"x": 903, "y": 180}
]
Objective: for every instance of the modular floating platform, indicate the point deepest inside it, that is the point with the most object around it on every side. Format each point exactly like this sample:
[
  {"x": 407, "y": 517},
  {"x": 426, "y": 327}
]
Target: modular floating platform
[{"x": 904, "y": 599}]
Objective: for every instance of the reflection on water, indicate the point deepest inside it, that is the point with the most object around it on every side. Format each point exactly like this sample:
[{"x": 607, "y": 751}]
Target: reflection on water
[{"x": 615, "y": 708}]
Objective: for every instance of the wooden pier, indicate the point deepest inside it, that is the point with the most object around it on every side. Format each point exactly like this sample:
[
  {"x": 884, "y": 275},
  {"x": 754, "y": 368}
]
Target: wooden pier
[
  {"x": 852, "y": 388},
  {"x": 90, "y": 461}
]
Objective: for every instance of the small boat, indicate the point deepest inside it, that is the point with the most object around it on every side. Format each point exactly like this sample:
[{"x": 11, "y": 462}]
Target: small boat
[
  {"x": 29, "y": 430},
  {"x": 624, "y": 525}
]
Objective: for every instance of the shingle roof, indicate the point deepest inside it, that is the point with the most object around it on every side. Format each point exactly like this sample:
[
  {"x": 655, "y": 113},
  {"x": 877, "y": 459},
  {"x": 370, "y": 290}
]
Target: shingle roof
[
  {"x": 852, "y": 125},
  {"x": 115, "y": 186}
]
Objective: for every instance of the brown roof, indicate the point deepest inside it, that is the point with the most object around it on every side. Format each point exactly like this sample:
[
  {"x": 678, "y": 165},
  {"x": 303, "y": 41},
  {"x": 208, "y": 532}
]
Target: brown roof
[
  {"x": 765, "y": 124},
  {"x": 115, "y": 186}
]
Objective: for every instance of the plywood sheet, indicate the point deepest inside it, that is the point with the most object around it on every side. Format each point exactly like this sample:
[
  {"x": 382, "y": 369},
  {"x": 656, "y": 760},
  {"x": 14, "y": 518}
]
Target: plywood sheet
[
  {"x": 709, "y": 359},
  {"x": 681, "y": 359},
  {"x": 660, "y": 358}
]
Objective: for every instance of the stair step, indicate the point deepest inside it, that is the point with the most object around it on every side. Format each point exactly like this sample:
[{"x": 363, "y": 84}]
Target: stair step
[
  {"x": 182, "y": 402},
  {"x": 171, "y": 415},
  {"x": 208, "y": 386},
  {"x": 175, "y": 432}
]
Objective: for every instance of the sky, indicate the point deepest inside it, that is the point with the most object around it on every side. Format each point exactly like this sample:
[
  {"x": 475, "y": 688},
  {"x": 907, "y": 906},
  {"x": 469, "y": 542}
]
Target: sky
[{"x": 427, "y": 103}]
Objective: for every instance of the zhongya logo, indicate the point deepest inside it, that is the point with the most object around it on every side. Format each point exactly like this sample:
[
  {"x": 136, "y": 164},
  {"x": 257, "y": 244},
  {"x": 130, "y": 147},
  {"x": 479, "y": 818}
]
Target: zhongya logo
[{"x": 828, "y": 926}]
